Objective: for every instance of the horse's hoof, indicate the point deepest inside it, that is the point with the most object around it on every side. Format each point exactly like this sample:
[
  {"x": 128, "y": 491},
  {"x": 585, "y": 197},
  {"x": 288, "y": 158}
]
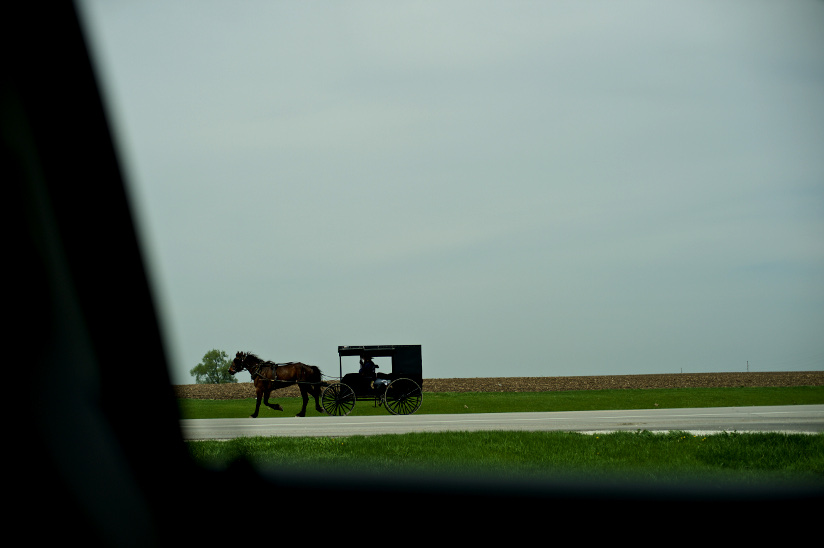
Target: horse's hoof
[{"x": 301, "y": 415}]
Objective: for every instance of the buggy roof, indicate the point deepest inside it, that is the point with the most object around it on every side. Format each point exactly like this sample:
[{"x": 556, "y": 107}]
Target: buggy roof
[{"x": 379, "y": 350}]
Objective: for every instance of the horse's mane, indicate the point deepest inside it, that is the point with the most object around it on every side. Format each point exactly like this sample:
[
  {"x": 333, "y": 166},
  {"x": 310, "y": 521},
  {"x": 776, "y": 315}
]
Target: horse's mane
[{"x": 251, "y": 357}]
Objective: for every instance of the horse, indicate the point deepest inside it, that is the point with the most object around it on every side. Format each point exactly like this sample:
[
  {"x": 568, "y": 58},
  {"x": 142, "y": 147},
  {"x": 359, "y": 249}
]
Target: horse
[{"x": 268, "y": 376}]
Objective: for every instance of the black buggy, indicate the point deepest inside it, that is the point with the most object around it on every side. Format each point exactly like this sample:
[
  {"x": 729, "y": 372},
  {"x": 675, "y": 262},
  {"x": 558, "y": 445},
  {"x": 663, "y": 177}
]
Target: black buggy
[{"x": 399, "y": 390}]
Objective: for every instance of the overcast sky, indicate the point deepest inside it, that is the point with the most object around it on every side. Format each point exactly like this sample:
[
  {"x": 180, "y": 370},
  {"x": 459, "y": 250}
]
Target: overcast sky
[{"x": 523, "y": 188}]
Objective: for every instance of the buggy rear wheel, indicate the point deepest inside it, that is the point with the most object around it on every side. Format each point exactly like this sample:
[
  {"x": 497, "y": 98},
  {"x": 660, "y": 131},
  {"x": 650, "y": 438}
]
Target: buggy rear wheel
[
  {"x": 338, "y": 399},
  {"x": 403, "y": 397}
]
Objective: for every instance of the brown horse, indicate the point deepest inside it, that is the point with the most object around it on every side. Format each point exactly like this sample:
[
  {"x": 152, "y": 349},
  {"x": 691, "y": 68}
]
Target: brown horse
[{"x": 268, "y": 376}]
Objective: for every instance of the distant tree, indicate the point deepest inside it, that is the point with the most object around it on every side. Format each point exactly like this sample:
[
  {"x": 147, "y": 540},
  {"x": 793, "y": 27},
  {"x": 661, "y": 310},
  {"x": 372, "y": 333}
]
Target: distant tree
[{"x": 214, "y": 369}]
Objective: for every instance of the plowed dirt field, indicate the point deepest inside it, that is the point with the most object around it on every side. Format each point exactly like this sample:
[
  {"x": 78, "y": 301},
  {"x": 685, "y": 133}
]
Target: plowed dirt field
[{"x": 545, "y": 384}]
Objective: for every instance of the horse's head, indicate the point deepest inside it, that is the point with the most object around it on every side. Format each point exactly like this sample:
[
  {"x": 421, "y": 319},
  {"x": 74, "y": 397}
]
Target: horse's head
[
  {"x": 244, "y": 360},
  {"x": 238, "y": 364}
]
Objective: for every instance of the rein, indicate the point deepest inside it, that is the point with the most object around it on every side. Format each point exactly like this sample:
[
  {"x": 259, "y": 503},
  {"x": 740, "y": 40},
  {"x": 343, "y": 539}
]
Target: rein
[
  {"x": 273, "y": 366},
  {"x": 264, "y": 365}
]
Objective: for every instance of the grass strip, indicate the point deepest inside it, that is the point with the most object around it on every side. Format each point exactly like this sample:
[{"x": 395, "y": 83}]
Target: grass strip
[
  {"x": 509, "y": 402},
  {"x": 626, "y": 456}
]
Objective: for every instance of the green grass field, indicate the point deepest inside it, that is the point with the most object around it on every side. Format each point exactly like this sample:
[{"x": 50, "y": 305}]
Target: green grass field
[
  {"x": 742, "y": 458},
  {"x": 632, "y": 456},
  {"x": 506, "y": 402}
]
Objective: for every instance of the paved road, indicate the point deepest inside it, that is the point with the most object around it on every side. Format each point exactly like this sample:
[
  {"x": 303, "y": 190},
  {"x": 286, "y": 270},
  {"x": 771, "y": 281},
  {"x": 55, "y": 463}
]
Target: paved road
[{"x": 791, "y": 418}]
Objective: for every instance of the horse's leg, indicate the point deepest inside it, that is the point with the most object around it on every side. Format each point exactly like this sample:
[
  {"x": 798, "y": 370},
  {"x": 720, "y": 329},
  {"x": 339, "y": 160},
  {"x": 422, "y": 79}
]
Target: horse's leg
[
  {"x": 305, "y": 397},
  {"x": 257, "y": 404},
  {"x": 315, "y": 390},
  {"x": 275, "y": 406}
]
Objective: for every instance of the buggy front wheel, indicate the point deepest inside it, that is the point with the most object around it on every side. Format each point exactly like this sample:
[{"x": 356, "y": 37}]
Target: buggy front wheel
[
  {"x": 403, "y": 397},
  {"x": 338, "y": 399}
]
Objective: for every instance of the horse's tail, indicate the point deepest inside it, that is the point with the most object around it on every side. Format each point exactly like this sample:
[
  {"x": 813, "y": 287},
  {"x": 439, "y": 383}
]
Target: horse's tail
[{"x": 317, "y": 376}]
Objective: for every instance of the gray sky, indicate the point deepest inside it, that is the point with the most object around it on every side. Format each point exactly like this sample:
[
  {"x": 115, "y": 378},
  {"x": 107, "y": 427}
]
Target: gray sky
[{"x": 522, "y": 188}]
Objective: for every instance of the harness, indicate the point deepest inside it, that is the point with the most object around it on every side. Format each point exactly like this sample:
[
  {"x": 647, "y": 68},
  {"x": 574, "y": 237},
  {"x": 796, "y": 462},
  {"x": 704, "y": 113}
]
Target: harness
[
  {"x": 255, "y": 372},
  {"x": 266, "y": 365},
  {"x": 273, "y": 366}
]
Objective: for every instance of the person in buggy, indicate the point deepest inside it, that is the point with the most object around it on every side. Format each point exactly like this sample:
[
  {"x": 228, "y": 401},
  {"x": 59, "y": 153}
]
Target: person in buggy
[{"x": 367, "y": 367}]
